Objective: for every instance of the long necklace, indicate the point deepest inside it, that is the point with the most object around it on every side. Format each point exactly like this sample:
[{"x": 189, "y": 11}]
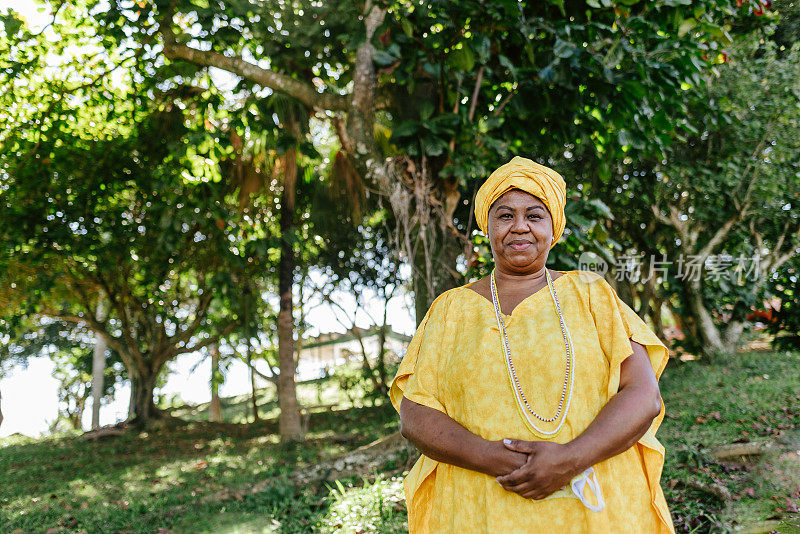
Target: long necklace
[{"x": 569, "y": 375}]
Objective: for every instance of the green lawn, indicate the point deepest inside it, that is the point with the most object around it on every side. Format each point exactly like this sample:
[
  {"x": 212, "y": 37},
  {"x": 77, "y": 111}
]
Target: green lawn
[
  {"x": 199, "y": 477},
  {"x": 744, "y": 397}
]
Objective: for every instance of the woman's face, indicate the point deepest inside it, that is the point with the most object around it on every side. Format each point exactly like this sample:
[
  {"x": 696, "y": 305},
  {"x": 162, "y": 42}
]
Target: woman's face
[{"x": 520, "y": 232}]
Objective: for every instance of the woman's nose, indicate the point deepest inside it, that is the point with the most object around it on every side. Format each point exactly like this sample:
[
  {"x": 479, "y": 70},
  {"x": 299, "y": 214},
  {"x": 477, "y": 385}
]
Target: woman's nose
[{"x": 520, "y": 225}]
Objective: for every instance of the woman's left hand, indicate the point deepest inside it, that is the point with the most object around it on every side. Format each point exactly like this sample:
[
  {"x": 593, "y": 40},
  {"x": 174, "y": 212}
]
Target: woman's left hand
[{"x": 549, "y": 468}]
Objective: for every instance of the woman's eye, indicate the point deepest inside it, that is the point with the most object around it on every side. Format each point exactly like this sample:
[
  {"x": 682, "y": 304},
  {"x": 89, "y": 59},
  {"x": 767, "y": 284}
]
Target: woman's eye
[{"x": 535, "y": 217}]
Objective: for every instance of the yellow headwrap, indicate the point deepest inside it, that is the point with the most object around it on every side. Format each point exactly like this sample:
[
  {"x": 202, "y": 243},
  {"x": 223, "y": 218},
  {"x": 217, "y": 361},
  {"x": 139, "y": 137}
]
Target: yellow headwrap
[{"x": 538, "y": 180}]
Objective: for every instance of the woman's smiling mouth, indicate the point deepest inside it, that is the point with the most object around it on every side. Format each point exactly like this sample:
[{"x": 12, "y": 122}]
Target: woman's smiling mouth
[{"x": 520, "y": 245}]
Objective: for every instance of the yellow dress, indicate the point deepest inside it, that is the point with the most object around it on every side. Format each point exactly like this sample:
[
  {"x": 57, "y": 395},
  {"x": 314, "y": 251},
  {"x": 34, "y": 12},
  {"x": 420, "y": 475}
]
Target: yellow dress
[{"x": 455, "y": 364}]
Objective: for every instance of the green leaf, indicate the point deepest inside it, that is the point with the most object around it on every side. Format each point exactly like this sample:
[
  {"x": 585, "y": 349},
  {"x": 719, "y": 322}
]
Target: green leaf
[
  {"x": 383, "y": 58},
  {"x": 462, "y": 59},
  {"x": 426, "y": 109},
  {"x": 504, "y": 61},
  {"x": 602, "y": 207},
  {"x": 434, "y": 146},
  {"x": 408, "y": 28},
  {"x": 614, "y": 55},
  {"x": 686, "y": 26},
  {"x": 560, "y": 4},
  {"x": 563, "y": 49},
  {"x": 406, "y": 129},
  {"x": 11, "y": 23}
]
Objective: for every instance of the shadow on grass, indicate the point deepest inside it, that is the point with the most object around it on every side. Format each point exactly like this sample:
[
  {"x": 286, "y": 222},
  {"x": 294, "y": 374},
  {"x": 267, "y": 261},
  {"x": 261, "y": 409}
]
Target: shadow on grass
[{"x": 143, "y": 481}]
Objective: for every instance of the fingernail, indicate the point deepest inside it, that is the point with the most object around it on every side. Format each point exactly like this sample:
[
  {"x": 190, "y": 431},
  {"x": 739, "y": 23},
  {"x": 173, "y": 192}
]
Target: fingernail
[{"x": 507, "y": 441}]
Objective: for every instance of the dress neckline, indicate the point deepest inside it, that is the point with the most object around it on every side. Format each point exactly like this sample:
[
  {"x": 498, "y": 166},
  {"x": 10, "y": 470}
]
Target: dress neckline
[{"x": 542, "y": 289}]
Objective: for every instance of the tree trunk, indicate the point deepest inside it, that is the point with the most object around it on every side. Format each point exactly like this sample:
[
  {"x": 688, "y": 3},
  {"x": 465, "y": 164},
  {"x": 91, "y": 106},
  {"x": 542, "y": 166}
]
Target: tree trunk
[
  {"x": 646, "y": 297},
  {"x": 289, "y": 423},
  {"x": 434, "y": 266},
  {"x": 253, "y": 398},
  {"x": 381, "y": 363},
  {"x": 215, "y": 406},
  {"x": 624, "y": 289},
  {"x": 143, "y": 410},
  {"x": 366, "y": 368},
  {"x": 98, "y": 368},
  {"x": 706, "y": 329},
  {"x": 76, "y": 417},
  {"x": 131, "y": 401},
  {"x": 655, "y": 316},
  {"x": 732, "y": 334}
]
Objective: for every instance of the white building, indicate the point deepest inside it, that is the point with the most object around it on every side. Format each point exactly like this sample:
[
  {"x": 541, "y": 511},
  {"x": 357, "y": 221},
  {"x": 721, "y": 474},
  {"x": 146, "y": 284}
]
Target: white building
[{"x": 320, "y": 355}]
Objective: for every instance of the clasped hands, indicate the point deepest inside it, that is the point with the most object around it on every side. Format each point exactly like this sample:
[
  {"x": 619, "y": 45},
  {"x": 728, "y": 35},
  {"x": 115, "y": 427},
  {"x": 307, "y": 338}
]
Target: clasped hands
[{"x": 545, "y": 468}]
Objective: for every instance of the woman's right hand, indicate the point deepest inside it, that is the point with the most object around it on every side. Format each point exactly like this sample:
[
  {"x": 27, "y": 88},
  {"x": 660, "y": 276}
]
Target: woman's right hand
[
  {"x": 499, "y": 460},
  {"x": 441, "y": 438}
]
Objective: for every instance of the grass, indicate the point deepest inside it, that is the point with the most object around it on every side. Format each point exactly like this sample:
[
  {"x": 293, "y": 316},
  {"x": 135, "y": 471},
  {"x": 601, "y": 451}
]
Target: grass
[
  {"x": 173, "y": 480},
  {"x": 198, "y": 477},
  {"x": 743, "y": 397}
]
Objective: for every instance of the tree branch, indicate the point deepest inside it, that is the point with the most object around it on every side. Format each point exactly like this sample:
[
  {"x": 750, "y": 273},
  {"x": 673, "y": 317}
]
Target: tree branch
[
  {"x": 199, "y": 313},
  {"x": 475, "y": 93},
  {"x": 775, "y": 258},
  {"x": 95, "y": 326},
  {"x": 720, "y": 235},
  {"x": 301, "y": 91},
  {"x": 117, "y": 304},
  {"x": 206, "y": 342}
]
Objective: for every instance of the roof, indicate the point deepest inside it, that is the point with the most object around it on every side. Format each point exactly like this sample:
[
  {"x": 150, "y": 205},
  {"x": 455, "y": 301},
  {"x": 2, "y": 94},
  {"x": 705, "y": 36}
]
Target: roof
[{"x": 335, "y": 338}]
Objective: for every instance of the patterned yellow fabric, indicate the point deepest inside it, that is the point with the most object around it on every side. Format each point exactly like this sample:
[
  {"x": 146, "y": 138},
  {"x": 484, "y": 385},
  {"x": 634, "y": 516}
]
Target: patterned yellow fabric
[
  {"x": 525, "y": 174},
  {"x": 455, "y": 364}
]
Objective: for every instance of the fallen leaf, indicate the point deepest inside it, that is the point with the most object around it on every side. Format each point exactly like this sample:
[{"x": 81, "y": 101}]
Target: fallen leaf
[{"x": 792, "y": 507}]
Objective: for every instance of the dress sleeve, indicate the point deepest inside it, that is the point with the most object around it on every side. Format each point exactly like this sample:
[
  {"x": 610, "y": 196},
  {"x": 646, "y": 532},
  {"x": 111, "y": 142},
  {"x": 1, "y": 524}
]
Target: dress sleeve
[
  {"x": 417, "y": 377},
  {"x": 617, "y": 324}
]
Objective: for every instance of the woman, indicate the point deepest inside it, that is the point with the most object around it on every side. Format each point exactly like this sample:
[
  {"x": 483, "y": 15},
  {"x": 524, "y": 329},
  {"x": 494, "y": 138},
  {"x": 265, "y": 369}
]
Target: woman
[{"x": 532, "y": 394}]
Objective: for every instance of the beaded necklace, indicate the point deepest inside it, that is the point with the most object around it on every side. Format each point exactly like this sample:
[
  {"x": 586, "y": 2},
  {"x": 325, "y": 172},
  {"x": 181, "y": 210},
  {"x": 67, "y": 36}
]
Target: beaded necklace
[{"x": 569, "y": 376}]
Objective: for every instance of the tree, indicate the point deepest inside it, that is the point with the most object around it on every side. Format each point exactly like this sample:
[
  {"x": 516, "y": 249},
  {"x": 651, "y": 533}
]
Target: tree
[
  {"x": 147, "y": 223},
  {"x": 751, "y": 180},
  {"x": 453, "y": 83},
  {"x": 363, "y": 263},
  {"x": 721, "y": 199}
]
